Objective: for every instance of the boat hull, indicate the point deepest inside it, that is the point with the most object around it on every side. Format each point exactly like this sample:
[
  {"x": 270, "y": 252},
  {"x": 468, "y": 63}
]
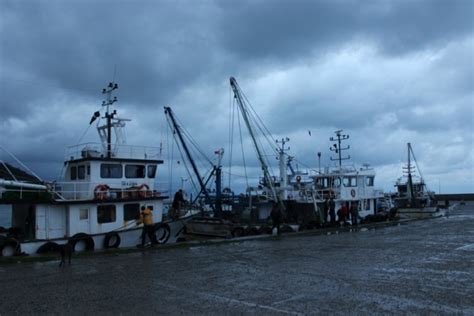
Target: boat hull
[
  {"x": 166, "y": 232},
  {"x": 419, "y": 212}
]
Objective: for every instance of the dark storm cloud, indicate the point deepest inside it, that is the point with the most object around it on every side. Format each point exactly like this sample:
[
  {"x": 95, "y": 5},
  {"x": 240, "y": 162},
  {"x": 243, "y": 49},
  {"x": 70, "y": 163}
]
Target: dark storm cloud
[
  {"x": 403, "y": 68},
  {"x": 155, "y": 49},
  {"x": 291, "y": 29}
]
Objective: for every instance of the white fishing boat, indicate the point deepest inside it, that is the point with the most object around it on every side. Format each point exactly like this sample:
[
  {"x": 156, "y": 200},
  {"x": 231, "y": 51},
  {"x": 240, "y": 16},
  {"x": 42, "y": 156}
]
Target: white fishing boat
[
  {"x": 345, "y": 184},
  {"x": 303, "y": 194},
  {"x": 413, "y": 199},
  {"x": 96, "y": 203}
]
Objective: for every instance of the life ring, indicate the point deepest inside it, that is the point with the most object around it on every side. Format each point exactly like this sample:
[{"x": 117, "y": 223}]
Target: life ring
[
  {"x": 353, "y": 193},
  {"x": 162, "y": 233},
  {"x": 82, "y": 237},
  {"x": 101, "y": 191},
  {"x": 111, "y": 240},
  {"x": 9, "y": 247},
  {"x": 143, "y": 190},
  {"x": 298, "y": 178}
]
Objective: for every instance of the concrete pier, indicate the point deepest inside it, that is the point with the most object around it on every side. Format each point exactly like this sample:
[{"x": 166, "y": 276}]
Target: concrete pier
[{"x": 421, "y": 267}]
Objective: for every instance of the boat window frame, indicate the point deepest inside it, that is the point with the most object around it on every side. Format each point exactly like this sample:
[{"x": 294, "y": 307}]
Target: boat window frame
[
  {"x": 109, "y": 170},
  {"x": 134, "y": 174},
  {"x": 73, "y": 173},
  {"x": 81, "y": 172},
  {"x": 127, "y": 211},
  {"x": 106, "y": 218},
  {"x": 151, "y": 171},
  {"x": 84, "y": 214},
  {"x": 369, "y": 181},
  {"x": 349, "y": 181}
]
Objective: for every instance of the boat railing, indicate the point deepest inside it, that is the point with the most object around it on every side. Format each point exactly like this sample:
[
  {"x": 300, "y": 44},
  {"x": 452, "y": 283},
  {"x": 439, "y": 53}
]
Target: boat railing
[
  {"x": 97, "y": 150},
  {"x": 80, "y": 191}
]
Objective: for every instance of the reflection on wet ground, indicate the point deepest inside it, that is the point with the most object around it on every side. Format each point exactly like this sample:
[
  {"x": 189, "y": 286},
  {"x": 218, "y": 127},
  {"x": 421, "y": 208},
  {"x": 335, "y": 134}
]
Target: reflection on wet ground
[{"x": 417, "y": 268}]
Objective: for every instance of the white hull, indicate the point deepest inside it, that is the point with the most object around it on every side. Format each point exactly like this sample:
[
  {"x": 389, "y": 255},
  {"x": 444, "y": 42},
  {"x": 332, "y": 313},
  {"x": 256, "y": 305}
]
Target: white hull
[{"x": 129, "y": 238}]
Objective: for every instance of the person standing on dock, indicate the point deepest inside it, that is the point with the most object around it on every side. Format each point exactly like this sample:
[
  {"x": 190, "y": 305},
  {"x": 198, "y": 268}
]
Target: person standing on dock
[
  {"x": 332, "y": 210},
  {"x": 325, "y": 211},
  {"x": 276, "y": 217},
  {"x": 342, "y": 214},
  {"x": 354, "y": 213},
  {"x": 146, "y": 217}
]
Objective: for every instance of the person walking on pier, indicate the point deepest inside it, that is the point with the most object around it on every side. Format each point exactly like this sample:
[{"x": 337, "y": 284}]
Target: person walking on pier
[
  {"x": 332, "y": 210},
  {"x": 342, "y": 214},
  {"x": 354, "y": 213},
  {"x": 178, "y": 202},
  {"x": 325, "y": 211},
  {"x": 276, "y": 217},
  {"x": 146, "y": 217}
]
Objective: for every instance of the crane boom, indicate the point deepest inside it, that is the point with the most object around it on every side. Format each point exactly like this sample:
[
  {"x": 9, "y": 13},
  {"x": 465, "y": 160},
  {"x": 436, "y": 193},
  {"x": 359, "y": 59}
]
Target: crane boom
[
  {"x": 176, "y": 129},
  {"x": 263, "y": 164}
]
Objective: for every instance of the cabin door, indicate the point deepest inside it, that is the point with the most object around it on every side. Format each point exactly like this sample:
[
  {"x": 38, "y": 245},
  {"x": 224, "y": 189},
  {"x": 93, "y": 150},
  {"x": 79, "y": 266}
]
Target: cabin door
[{"x": 84, "y": 225}]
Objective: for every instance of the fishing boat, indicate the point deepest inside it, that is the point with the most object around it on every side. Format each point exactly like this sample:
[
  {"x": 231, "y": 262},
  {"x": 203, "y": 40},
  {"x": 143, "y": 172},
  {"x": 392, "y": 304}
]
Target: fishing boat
[
  {"x": 413, "y": 199},
  {"x": 97, "y": 201},
  {"x": 302, "y": 195},
  {"x": 306, "y": 193}
]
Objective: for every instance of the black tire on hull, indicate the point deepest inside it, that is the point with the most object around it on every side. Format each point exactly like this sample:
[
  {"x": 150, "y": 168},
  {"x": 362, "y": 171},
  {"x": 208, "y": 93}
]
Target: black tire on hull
[
  {"x": 7, "y": 243},
  {"x": 237, "y": 232},
  {"x": 111, "y": 240},
  {"x": 89, "y": 242},
  {"x": 48, "y": 247},
  {"x": 265, "y": 229},
  {"x": 162, "y": 233},
  {"x": 251, "y": 231}
]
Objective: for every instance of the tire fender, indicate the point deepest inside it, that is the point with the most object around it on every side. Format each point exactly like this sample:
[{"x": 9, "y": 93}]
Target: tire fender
[{"x": 112, "y": 240}]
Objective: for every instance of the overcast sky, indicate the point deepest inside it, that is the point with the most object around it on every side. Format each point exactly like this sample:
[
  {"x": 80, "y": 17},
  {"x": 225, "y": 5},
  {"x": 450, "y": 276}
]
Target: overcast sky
[{"x": 386, "y": 72}]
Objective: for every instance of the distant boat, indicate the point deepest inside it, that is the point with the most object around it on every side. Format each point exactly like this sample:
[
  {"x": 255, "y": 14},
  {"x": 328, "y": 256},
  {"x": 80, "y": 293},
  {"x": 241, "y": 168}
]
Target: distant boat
[{"x": 413, "y": 199}]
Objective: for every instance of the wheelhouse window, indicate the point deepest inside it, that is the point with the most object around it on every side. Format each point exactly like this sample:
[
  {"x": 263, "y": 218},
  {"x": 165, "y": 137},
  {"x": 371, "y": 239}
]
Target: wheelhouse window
[
  {"x": 135, "y": 171},
  {"x": 106, "y": 214},
  {"x": 322, "y": 182},
  {"x": 369, "y": 181},
  {"x": 110, "y": 171},
  {"x": 349, "y": 181},
  {"x": 73, "y": 173},
  {"x": 81, "y": 172},
  {"x": 151, "y": 171},
  {"x": 131, "y": 211}
]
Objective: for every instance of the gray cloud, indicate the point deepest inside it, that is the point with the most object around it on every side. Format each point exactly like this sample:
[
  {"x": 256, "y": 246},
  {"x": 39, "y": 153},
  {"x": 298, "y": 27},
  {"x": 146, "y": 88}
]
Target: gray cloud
[{"x": 387, "y": 72}]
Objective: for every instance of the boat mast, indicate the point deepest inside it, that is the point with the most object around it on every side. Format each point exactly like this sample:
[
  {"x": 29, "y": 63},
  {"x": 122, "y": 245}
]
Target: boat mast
[
  {"x": 109, "y": 116},
  {"x": 244, "y": 111},
  {"x": 283, "y": 164},
  {"x": 410, "y": 177},
  {"x": 337, "y": 147}
]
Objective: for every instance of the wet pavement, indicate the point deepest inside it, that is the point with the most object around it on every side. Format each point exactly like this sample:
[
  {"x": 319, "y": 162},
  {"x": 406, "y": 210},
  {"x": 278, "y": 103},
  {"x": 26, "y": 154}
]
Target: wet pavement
[{"x": 421, "y": 267}]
